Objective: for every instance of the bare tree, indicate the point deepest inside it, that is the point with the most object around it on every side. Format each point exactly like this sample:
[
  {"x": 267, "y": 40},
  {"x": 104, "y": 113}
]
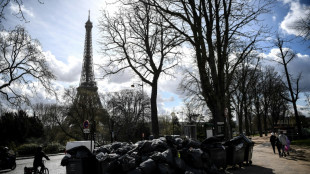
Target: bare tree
[
  {"x": 129, "y": 110},
  {"x": 286, "y": 55},
  {"x": 22, "y": 66},
  {"x": 139, "y": 39},
  {"x": 303, "y": 26},
  {"x": 20, "y": 14},
  {"x": 244, "y": 80},
  {"x": 213, "y": 28},
  {"x": 77, "y": 110},
  {"x": 191, "y": 88}
]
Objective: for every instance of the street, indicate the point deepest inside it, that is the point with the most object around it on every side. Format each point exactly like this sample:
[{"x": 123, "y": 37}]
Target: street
[{"x": 53, "y": 165}]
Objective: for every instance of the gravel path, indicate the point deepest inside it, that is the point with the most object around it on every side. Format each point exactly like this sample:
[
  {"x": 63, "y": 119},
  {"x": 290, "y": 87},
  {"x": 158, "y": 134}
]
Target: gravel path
[{"x": 266, "y": 162}]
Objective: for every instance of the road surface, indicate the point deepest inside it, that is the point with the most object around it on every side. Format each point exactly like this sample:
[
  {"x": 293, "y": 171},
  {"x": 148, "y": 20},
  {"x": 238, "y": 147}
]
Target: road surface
[{"x": 53, "y": 165}]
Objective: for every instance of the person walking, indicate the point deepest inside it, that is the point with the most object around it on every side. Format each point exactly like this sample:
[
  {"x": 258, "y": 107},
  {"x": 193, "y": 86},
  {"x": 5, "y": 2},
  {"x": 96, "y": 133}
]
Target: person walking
[
  {"x": 287, "y": 146},
  {"x": 279, "y": 146},
  {"x": 283, "y": 141},
  {"x": 273, "y": 141}
]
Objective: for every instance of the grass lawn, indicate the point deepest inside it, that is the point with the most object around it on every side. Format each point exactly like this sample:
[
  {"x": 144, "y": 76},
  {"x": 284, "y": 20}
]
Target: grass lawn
[{"x": 305, "y": 142}]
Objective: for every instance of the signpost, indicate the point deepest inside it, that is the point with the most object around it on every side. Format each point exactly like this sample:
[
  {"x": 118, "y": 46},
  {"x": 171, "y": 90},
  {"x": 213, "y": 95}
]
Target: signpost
[
  {"x": 86, "y": 124},
  {"x": 86, "y": 127}
]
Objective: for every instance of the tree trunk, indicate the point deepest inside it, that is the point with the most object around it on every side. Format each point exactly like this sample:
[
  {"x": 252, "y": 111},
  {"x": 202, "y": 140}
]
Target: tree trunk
[
  {"x": 259, "y": 122},
  {"x": 154, "y": 117},
  {"x": 218, "y": 120},
  {"x": 246, "y": 121},
  {"x": 294, "y": 99},
  {"x": 265, "y": 120},
  {"x": 240, "y": 117}
]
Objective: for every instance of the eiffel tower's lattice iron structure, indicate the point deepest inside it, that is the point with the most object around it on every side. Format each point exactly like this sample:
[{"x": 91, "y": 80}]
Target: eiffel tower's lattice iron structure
[{"x": 87, "y": 92}]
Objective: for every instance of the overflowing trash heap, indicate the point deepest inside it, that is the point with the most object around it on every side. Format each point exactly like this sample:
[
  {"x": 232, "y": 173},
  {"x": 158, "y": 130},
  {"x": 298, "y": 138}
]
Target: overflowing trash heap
[{"x": 165, "y": 155}]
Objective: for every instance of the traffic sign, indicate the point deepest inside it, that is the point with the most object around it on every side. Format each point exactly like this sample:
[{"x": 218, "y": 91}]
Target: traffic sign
[
  {"x": 86, "y": 124},
  {"x": 86, "y": 131}
]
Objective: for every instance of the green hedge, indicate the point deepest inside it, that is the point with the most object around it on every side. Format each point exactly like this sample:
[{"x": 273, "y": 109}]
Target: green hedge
[
  {"x": 53, "y": 148},
  {"x": 30, "y": 149},
  {"x": 27, "y": 149}
]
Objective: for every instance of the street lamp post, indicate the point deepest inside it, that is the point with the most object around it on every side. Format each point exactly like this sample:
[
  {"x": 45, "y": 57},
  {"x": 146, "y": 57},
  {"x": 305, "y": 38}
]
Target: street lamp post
[{"x": 142, "y": 106}]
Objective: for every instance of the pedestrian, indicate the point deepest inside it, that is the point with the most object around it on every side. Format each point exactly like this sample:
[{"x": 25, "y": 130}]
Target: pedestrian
[
  {"x": 287, "y": 146},
  {"x": 38, "y": 159},
  {"x": 273, "y": 141},
  {"x": 283, "y": 139},
  {"x": 279, "y": 146}
]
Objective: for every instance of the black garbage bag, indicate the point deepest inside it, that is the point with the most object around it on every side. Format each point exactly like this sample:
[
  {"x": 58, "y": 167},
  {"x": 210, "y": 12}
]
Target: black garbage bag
[
  {"x": 124, "y": 149},
  {"x": 193, "y": 157},
  {"x": 135, "y": 171},
  {"x": 79, "y": 152},
  {"x": 180, "y": 164},
  {"x": 65, "y": 160},
  {"x": 159, "y": 145},
  {"x": 195, "y": 171},
  {"x": 127, "y": 162},
  {"x": 104, "y": 149},
  {"x": 168, "y": 155},
  {"x": 191, "y": 143},
  {"x": 145, "y": 147},
  {"x": 113, "y": 156},
  {"x": 148, "y": 167},
  {"x": 116, "y": 145},
  {"x": 158, "y": 157},
  {"x": 107, "y": 157},
  {"x": 102, "y": 156},
  {"x": 165, "y": 168},
  {"x": 178, "y": 142},
  {"x": 114, "y": 167}
]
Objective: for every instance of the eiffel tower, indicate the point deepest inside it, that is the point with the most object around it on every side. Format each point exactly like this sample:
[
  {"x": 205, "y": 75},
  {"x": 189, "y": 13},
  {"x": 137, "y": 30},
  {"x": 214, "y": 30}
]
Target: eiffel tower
[{"x": 87, "y": 105}]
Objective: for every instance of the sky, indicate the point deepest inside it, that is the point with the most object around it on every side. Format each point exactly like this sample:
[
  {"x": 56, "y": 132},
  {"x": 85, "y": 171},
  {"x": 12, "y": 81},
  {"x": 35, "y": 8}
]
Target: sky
[{"x": 59, "y": 26}]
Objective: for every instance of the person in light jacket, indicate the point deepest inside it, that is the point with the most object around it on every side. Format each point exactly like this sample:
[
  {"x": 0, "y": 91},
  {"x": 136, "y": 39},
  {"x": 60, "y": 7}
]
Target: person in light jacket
[{"x": 282, "y": 139}]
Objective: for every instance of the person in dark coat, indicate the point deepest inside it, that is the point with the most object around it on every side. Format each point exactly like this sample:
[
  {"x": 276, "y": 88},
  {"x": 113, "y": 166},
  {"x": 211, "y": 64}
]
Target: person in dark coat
[
  {"x": 273, "y": 141},
  {"x": 279, "y": 146},
  {"x": 38, "y": 159}
]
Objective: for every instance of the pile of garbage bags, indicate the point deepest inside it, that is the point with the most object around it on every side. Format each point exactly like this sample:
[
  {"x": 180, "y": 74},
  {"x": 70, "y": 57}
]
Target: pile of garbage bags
[{"x": 163, "y": 155}]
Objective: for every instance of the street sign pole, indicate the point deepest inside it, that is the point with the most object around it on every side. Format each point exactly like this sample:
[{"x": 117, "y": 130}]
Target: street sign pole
[{"x": 86, "y": 130}]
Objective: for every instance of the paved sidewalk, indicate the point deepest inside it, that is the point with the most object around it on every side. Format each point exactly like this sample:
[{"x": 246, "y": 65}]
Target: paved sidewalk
[{"x": 266, "y": 162}]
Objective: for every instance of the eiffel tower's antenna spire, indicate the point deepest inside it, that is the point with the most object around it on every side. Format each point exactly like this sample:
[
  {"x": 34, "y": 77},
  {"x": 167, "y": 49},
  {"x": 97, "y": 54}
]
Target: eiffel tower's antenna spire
[{"x": 89, "y": 15}]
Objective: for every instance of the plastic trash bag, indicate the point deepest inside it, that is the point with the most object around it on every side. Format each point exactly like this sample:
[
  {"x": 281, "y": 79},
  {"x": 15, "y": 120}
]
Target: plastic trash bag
[{"x": 148, "y": 166}]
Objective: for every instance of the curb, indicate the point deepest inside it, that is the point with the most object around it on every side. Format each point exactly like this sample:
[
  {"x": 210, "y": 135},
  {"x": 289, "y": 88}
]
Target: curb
[{"x": 31, "y": 157}]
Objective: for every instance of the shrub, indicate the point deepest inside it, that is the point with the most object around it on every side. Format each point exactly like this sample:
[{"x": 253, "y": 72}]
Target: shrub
[
  {"x": 27, "y": 149},
  {"x": 53, "y": 148}
]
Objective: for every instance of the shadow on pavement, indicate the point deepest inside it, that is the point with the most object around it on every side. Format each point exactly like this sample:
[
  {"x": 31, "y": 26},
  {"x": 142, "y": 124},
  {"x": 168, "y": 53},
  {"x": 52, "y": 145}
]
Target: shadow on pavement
[
  {"x": 253, "y": 169},
  {"x": 298, "y": 155},
  {"x": 5, "y": 171}
]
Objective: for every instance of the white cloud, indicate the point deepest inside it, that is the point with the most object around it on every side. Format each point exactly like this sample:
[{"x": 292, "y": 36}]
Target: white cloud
[
  {"x": 300, "y": 64},
  {"x": 15, "y": 9},
  {"x": 66, "y": 72},
  {"x": 296, "y": 12}
]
